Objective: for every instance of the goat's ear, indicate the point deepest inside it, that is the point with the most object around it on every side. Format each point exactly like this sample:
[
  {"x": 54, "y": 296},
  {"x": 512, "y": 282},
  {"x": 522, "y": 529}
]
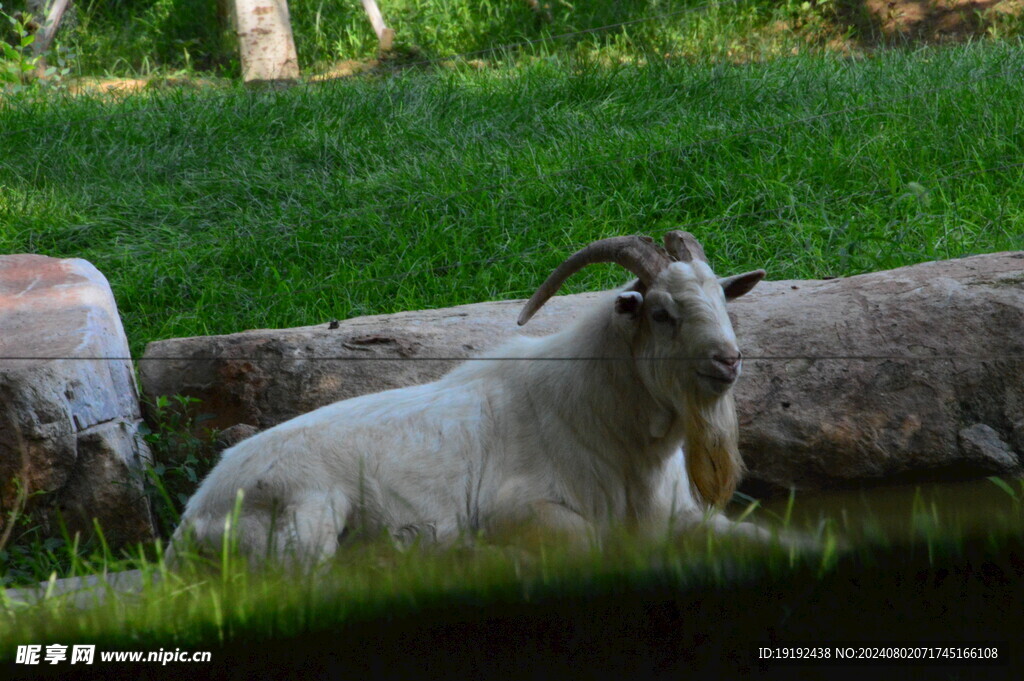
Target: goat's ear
[
  {"x": 629, "y": 303},
  {"x": 740, "y": 284}
]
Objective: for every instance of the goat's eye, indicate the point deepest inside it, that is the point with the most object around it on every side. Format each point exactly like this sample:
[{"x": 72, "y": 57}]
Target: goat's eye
[{"x": 661, "y": 316}]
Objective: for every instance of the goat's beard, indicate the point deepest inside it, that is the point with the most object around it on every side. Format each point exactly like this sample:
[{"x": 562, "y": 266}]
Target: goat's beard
[{"x": 711, "y": 446}]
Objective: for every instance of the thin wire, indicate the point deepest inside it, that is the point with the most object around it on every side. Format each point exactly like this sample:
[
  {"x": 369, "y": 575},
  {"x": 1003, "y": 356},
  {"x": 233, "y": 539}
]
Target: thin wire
[{"x": 340, "y": 358}]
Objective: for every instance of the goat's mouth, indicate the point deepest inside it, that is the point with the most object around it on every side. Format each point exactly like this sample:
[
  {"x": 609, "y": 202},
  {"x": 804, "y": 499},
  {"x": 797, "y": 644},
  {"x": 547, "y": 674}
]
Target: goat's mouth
[
  {"x": 718, "y": 378},
  {"x": 716, "y": 383}
]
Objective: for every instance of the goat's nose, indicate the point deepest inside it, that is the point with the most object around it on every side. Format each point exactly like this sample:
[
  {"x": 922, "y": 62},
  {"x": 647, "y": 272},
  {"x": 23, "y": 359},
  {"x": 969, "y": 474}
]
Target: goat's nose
[{"x": 730, "y": 361}]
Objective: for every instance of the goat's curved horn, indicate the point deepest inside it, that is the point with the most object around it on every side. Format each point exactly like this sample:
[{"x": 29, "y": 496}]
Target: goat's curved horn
[
  {"x": 684, "y": 247},
  {"x": 638, "y": 254}
]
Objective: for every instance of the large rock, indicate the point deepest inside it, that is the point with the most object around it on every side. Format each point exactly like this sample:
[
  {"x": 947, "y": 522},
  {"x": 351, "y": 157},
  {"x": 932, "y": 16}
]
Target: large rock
[
  {"x": 69, "y": 411},
  {"x": 263, "y": 377},
  {"x": 910, "y": 374}
]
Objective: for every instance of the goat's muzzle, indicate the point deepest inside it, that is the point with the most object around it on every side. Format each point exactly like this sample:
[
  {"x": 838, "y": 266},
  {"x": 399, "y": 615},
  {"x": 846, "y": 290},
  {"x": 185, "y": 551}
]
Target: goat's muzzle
[{"x": 721, "y": 371}]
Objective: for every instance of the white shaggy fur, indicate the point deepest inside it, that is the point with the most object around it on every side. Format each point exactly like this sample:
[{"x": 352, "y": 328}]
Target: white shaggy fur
[{"x": 578, "y": 431}]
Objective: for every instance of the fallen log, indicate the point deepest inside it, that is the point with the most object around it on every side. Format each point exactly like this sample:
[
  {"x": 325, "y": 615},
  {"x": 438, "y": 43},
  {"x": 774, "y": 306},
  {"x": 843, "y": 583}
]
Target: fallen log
[{"x": 905, "y": 375}]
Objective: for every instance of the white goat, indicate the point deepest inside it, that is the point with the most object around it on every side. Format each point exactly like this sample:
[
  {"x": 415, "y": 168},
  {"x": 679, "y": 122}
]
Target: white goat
[{"x": 578, "y": 431}]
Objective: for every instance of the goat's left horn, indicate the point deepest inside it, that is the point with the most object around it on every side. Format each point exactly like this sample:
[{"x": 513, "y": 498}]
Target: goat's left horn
[
  {"x": 638, "y": 254},
  {"x": 684, "y": 247}
]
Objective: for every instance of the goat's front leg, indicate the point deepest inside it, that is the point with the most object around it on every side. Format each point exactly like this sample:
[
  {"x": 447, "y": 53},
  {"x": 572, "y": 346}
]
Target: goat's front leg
[
  {"x": 543, "y": 519},
  {"x": 721, "y": 525},
  {"x": 515, "y": 513}
]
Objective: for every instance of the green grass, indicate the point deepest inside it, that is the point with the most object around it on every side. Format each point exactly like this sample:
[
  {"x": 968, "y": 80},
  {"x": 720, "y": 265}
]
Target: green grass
[
  {"x": 213, "y": 212},
  {"x": 696, "y": 603}
]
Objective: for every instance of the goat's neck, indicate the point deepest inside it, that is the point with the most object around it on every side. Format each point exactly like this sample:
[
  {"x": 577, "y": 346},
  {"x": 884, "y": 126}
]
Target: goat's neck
[{"x": 602, "y": 381}]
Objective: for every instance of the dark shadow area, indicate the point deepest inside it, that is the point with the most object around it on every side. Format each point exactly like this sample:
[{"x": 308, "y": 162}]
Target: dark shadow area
[
  {"x": 646, "y": 625},
  {"x": 958, "y": 472}
]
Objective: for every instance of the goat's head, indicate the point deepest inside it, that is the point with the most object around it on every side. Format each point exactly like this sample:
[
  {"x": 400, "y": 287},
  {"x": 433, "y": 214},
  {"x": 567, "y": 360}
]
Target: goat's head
[
  {"x": 675, "y": 311},
  {"x": 676, "y": 324}
]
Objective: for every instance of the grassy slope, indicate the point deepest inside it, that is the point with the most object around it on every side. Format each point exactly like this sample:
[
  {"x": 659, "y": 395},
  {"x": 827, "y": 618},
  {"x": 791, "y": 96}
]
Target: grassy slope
[{"x": 216, "y": 212}]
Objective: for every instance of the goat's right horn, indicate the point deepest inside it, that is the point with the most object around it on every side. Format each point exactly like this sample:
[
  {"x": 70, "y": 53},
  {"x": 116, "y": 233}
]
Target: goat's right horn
[
  {"x": 638, "y": 254},
  {"x": 684, "y": 246}
]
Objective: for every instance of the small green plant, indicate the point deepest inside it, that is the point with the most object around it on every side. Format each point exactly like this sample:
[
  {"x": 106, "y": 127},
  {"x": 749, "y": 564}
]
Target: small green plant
[
  {"x": 1003, "y": 21},
  {"x": 816, "y": 20},
  {"x": 20, "y": 67},
  {"x": 180, "y": 457},
  {"x": 17, "y": 63},
  {"x": 30, "y": 551}
]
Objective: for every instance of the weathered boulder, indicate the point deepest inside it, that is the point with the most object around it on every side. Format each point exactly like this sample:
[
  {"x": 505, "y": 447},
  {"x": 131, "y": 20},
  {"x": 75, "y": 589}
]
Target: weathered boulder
[
  {"x": 263, "y": 377},
  {"x": 69, "y": 411},
  {"x": 909, "y": 374}
]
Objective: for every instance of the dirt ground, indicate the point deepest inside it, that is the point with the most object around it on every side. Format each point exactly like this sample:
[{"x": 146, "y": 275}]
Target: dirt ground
[{"x": 934, "y": 21}]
